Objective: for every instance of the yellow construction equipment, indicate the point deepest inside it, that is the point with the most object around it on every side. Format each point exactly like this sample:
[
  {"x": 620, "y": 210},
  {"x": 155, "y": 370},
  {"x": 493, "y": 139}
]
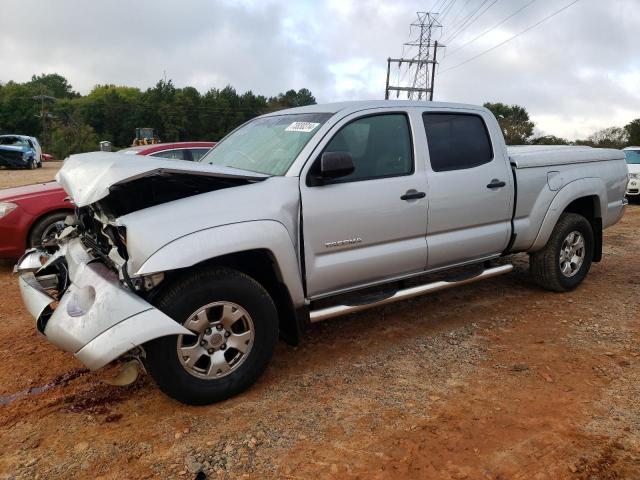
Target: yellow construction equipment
[{"x": 145, "y": 136}]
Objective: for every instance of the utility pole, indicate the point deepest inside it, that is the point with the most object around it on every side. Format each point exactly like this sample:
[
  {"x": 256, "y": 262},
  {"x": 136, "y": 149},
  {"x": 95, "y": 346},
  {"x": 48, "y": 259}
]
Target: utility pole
[
  {"x": 421, "y": 66},
  {"x": 44, "y": 115}
]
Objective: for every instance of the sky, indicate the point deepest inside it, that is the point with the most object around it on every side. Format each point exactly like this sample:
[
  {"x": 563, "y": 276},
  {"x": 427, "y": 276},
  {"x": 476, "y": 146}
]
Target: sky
[{"x": 575, "y": 73}]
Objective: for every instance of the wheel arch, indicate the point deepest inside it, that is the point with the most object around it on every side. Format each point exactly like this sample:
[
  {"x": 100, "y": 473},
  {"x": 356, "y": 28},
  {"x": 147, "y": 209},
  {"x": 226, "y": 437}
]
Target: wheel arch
[
  {"x": 589, "y": 207},
  {"x": 587, "y": 197},
  {"x": 261, "y": 249}
]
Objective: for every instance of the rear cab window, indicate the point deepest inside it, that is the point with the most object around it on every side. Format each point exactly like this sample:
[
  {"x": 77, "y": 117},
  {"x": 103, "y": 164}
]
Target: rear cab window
[{"x": 457, "y": 141}]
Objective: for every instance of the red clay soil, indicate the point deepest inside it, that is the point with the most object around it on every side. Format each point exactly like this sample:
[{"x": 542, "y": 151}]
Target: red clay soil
[{"x": 496, "y": 380}]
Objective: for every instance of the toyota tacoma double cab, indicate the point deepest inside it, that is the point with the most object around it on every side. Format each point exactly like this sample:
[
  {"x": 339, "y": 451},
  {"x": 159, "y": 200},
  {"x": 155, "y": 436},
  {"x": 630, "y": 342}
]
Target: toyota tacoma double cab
[{"x": 197, "y": 268}]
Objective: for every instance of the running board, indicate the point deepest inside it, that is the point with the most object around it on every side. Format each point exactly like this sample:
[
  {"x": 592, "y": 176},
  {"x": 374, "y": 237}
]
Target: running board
[{"x": 338, "y": 310}]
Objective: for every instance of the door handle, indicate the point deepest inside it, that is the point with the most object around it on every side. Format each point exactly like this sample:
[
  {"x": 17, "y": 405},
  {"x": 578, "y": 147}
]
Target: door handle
[
  {"x": 495, "y": 183},
  {"x": 413, "y": 195}
]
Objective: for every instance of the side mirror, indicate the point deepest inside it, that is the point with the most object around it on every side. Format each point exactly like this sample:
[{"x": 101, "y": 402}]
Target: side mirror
[{"x": 336, "y": 165}]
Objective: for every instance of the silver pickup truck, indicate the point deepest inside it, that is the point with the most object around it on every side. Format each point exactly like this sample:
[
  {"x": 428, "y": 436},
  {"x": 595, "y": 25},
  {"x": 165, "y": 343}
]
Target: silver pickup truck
[{"x": 299, "y": 216}]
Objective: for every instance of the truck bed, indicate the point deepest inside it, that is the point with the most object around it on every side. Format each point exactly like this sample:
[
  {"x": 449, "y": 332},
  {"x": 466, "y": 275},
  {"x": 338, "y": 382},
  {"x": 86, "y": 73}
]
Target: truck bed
[
  {"x": 549, "y": 177},
  {"x": 531, "y": 156}
]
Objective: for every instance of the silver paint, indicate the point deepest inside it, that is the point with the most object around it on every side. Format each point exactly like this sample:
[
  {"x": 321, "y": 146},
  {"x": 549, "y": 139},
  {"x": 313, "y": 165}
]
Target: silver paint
[{"x": 459, "y": 221}]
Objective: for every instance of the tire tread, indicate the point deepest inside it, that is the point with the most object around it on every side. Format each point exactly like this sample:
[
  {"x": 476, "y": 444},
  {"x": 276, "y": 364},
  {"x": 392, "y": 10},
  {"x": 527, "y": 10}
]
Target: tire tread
[
  {"x": 544, "y": 263},
  {"x": 163, "y": 364}
]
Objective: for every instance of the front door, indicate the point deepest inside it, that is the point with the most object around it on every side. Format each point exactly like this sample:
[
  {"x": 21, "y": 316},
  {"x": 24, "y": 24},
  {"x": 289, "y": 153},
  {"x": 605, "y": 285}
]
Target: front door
[{"x": 363, "y": 228}]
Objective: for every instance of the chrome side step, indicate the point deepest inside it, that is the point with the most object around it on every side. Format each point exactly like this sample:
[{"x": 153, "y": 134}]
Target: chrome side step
[{"x": 338, "y": 310}]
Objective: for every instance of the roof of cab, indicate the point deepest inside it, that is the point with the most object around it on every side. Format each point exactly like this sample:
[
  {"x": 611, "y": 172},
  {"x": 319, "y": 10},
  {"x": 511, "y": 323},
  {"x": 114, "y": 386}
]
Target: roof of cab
[{"x": 355, "y": 106}]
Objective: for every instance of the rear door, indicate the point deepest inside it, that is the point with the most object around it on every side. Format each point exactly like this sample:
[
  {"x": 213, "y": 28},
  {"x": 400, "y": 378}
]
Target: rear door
[
  {"x": 471, "y": 189},
  {"x": 364, "y": 228}
]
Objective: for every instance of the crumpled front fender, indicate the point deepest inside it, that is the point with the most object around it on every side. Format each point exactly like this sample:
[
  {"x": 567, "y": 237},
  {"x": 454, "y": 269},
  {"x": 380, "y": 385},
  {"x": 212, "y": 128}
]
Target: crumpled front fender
[
  {"x": 97, "y": 318},
  {"x": 215, "y": 242}
]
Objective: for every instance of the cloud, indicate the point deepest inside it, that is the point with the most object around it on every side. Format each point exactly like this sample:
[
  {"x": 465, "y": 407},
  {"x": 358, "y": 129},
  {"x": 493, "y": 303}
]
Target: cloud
[{"x": 578, "y": 72}]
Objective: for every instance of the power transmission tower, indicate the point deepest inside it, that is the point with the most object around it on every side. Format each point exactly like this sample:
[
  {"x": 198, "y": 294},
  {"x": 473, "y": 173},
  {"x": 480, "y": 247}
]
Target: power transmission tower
[{"x": 422, "y": 66}]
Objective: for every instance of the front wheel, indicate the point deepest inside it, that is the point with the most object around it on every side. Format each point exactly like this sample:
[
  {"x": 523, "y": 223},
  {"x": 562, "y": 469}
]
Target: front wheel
[
  {"x": 235, "y": 327},
  {"x": 46, "y": 228},
  {"x": 565, "y": 260}
]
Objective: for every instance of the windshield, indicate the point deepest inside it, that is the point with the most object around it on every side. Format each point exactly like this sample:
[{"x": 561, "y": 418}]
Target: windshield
[
  {"x": 633, "y": 157},
  {"x": 267, "y": 145},
  {"x": 14, "y": 141}
]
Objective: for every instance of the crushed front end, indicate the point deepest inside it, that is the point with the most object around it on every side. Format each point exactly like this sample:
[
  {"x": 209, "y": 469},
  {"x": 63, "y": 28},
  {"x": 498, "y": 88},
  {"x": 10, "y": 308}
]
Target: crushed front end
[{"x": 82, "y": 298}]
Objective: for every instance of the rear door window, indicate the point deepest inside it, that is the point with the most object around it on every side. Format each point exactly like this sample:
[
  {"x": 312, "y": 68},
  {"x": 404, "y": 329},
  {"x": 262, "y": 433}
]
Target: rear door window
[{"x": 456, "y": 141}]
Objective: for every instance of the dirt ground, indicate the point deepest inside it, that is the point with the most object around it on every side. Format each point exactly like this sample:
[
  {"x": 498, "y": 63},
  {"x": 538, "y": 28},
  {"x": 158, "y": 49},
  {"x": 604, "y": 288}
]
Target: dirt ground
[
  {"x": 495, "y": 380},
  {"x": 15, "y": 178}
]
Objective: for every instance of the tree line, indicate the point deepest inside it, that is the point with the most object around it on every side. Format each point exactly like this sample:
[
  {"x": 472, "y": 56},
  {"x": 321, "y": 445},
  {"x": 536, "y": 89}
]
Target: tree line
[
  {"x": 66, "y": 122},
  {"x": 518, "y": 129}
]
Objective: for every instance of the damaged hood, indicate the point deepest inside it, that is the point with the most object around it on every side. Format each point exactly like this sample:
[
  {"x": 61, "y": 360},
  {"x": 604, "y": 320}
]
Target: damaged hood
[{"x": 88, "y": 177}]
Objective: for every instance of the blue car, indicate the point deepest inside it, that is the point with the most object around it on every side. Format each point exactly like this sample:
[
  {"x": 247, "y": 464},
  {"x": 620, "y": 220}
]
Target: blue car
[{"x": 20, "y": 151}]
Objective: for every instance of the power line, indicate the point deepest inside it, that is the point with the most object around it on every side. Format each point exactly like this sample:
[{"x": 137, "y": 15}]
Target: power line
[
  {"x": 464, "y": 27},
  {"x": 446, "y": 10},
  {"x": 462, "y": 9},
  {"x": 511, "y": 38},
  {"x": 492, "y": 28},
  {"x": 438, "y": 5},
  {"x": 455, "y": 28}
]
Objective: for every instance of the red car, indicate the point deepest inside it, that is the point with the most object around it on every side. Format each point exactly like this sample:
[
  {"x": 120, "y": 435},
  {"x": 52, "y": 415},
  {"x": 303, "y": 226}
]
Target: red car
[{"x": 30, "y": 214}]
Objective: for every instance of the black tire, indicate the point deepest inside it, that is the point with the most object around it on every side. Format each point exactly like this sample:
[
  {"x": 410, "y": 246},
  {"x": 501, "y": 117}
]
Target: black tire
[
  {"x": 42, "y": 225},
  {"x": 545, "y": 263},
  {"x": 184, "y": 297},
  {"x": 33, "y": 164}
]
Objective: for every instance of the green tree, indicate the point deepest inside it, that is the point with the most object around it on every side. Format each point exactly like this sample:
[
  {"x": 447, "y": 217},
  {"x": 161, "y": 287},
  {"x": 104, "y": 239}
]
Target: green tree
[
  {"x": 112, "y": 112},
  {"x": 612, "y": 137},
  {"x": 514, "y": 121},
  {"x": 291, "y": 98},
  {"x": 633, "y": 132},
  {"x": 549, "y": 140},
  {"x": 52, "y": 84},
  {"x": 71, "y": 135},
  {"x": 18, "y": 109}
]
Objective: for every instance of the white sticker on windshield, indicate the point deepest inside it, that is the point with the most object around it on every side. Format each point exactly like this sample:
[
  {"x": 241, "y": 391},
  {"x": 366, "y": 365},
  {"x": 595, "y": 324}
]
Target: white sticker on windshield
[{"x": 305, "y": 127}]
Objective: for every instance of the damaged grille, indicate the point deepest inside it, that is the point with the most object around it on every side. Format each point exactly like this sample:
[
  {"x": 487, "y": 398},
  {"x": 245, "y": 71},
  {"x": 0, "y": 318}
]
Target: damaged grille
[{"x": 99, "y": 238}]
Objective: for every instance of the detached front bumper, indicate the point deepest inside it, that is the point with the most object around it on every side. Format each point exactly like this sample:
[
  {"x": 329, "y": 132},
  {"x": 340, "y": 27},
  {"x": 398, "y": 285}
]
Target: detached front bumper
[{"x": 97, "y": 318}]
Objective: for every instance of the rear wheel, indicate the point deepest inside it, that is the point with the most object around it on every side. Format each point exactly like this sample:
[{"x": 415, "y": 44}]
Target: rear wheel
[
  {"x": 566, "y": 258},
  {"x": 235, "y": 329}
]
